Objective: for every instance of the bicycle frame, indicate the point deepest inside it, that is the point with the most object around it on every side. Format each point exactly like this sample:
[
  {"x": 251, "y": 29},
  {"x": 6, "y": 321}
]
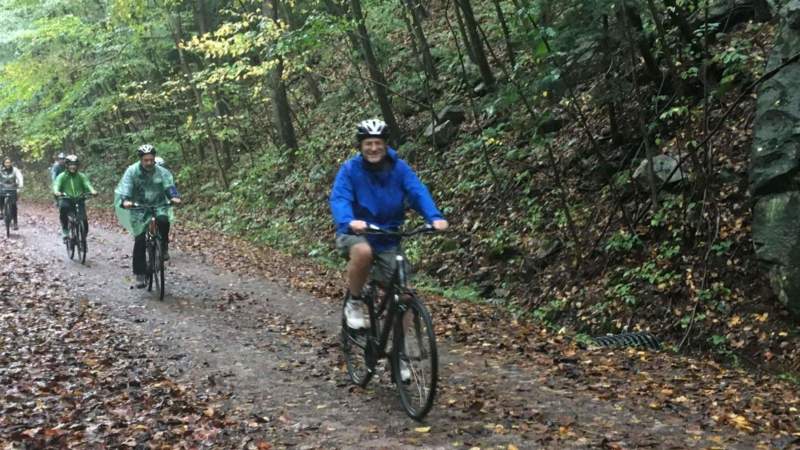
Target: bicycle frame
[
  {"x": 376, "y": 344},
  {"x": 75, "y": 212},
  {"x": 9, "y": 199},
  {"x": 151, "y": 231},
  {"x": 394, "y": 307}
]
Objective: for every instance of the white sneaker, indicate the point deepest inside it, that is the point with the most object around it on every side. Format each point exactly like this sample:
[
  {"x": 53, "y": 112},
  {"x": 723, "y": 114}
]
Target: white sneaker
[
  {"x": 141, "y": 281},
  {"x": 354, "y": 314},
  {"x": 405, "y": 372}
]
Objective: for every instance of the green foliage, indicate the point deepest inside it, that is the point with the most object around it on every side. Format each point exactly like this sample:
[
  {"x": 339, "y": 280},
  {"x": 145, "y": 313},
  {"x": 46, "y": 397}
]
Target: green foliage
[
  {"x": 550, "y": 311},
  {"x": 622, "y": 242}
]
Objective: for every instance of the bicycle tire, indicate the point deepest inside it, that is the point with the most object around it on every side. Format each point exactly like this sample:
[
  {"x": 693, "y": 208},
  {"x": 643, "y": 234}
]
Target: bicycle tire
[
  {"x": 158, "y": 263},
  {"x": 82, "y": 249},
  {"x": 150, "y": 266},
  {"x": 356, "y": 352},
  {"x": 417, "y": 348},
  {"x": 71, "y": 238},
  {"x": 7, "y": 216}
]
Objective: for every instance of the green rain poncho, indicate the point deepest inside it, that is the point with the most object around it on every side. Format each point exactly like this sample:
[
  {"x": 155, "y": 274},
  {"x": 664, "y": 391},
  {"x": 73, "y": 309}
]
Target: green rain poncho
[{"x": 147, "y": 189}]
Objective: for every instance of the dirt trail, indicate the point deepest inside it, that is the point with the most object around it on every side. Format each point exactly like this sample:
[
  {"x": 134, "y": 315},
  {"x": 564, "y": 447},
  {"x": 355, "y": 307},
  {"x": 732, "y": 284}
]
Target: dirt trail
[{"x": 274, "y": 351}]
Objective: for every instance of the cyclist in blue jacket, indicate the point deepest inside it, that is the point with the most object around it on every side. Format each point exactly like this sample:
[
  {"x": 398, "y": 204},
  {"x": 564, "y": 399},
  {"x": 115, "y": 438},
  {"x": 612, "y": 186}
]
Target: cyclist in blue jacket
[{"x": 373, "y": 188}]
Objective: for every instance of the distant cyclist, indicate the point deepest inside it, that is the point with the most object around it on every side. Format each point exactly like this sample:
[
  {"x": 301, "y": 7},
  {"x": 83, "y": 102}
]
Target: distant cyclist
[
  {"x": 147, "y": 184},
  {"x": 58, "y": 166},
  {"x": 372, "y": 188},
  {"x": 11, "y": 183},
  {"x": 70, "y": 187}
]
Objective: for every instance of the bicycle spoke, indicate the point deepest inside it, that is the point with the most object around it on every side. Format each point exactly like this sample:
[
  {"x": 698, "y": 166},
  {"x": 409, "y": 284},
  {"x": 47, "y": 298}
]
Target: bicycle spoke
[
  {"x": 415, "y": 355},
  {"x": 357, "y": 352}
]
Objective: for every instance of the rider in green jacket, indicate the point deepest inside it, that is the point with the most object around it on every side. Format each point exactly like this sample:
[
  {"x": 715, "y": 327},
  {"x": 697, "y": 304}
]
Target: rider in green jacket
[{"x": 70, "y": 187}]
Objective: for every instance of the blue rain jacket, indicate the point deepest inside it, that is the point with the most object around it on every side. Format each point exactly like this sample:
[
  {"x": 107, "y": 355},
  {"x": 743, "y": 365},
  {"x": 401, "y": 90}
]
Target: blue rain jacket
[{"x": 379, "y": 197}]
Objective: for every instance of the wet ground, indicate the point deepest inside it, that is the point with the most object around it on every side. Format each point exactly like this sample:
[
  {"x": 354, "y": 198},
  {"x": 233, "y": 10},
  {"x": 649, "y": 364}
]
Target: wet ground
[{"x": 274, "y": 352}]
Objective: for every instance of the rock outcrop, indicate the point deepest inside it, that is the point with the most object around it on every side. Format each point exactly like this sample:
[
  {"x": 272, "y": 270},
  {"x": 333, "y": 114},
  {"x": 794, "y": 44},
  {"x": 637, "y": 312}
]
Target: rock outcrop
[{"x": 775, "y": 166}]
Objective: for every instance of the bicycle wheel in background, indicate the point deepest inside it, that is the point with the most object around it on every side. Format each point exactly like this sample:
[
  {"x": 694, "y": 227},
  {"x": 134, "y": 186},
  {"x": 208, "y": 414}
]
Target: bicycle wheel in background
[
  {"x": 81, "y": 242},
  {"x": 355, "y": 349},
  {"x": 415, "y": 351},
  {"x": 158, "y": 265}
]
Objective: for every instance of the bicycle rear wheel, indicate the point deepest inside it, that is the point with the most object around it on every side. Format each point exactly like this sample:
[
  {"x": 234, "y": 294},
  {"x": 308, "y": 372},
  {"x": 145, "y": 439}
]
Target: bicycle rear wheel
[
  {"x": 414, "y": 352},
  {"x": 82, "y": 249},
  {"x": 158, "y": 264},
  {"x": 357, "y": 348}
]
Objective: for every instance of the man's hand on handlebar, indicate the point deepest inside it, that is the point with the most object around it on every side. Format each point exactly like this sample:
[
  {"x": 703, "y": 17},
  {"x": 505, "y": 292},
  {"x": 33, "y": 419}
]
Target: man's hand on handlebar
[
  {"x": 127, "y": 204},
  {"x": 358, "y": 226},
  {"x": 175, "y": 200}
]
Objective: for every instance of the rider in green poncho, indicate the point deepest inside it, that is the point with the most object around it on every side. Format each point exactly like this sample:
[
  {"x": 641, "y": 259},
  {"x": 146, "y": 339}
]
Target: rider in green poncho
[{"x": 146, "y": 184}]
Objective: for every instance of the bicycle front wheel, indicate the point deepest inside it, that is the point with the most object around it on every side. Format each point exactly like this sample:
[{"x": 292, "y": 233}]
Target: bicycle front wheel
[
  {"x": 71, "y": 240},
  {"x": 82, "y": 249},
  {"x": 415, "y": 362},
  {"x": 158, "y": 264},
  {"x": 7, "y": 216},
  {"x": 151, "y": 267}
]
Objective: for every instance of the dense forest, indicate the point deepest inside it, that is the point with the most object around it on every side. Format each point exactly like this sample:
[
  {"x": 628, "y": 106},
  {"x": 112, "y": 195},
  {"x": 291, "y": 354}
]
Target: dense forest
[{"x": 592, "y": 155}]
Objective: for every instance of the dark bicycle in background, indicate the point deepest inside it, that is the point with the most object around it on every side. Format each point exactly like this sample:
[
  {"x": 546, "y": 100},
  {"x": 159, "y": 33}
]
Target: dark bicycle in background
[
  {"x": 399, "y": 318},
  {"x": 9, "y": 203},
  {"x": 76, "y": 227},
  {"x": 154, "y": 250}
]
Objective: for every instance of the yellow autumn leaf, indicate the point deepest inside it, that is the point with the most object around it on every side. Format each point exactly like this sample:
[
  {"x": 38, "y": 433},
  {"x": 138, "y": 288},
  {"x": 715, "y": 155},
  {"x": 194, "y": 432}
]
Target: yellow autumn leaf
[
  {"x": 740, "y": 422},
  {"x": 422, "y": 429}
]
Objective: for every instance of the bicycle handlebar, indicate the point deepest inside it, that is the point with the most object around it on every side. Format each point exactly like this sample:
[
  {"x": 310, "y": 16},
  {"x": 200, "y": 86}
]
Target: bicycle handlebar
[
  {"x": 143, "y": 207},
  {"x": 83, "y": 196},
  {"x": 376, "y": 230}
]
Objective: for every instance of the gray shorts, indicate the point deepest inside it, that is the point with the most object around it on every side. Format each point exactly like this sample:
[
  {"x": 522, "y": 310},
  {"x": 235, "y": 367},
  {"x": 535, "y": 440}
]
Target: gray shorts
[{"x": 383, "y": 263}]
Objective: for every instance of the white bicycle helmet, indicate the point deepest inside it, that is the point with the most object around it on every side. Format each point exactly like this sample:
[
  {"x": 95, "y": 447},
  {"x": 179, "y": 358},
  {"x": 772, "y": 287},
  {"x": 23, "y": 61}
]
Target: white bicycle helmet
[{"x": 372, "y": 128}]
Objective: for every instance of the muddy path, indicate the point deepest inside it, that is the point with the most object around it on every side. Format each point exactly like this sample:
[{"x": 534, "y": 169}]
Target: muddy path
[{"x": 273, "y": 351}]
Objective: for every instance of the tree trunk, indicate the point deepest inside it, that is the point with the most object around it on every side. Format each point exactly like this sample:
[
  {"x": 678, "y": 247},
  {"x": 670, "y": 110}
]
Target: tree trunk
[
  {"x": 762, "y": 10},
  {"x": 506, "y": 33},
  {"x": 462, "y": 30},
  {"x": 477, "y": 46},
  {"x": 337, "y": 11},
  {"x": 633, "y": 21},
  {"x": 378, "y": 80},
  {"x": 176, "y": 37},
  {"x": 280, "y": 101},
  {"x": 199, "y": 11},
  {"x": 677, "y": 82},
  {"x": 312, "y": 83},
  {"x": 424, "y": 48},
  {"x": 610, "y": 101}
]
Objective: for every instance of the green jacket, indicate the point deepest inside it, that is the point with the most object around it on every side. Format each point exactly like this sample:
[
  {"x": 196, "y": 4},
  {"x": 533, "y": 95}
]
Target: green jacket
[
  {"x": 72, "y": 185},
  {"x": 145, "y": 188}
]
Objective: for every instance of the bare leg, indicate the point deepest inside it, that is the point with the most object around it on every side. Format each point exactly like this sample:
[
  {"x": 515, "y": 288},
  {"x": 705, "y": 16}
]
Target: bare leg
[{"x": 358, "y": 267}]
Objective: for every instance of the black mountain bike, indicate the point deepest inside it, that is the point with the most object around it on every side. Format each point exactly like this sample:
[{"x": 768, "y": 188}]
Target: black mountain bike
[
  {"x": 401, "y": 318},
  {"x": 154, "y": 253},
  {"x": 76, "y": 235},
  {"x": 9, "y": 201}
]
